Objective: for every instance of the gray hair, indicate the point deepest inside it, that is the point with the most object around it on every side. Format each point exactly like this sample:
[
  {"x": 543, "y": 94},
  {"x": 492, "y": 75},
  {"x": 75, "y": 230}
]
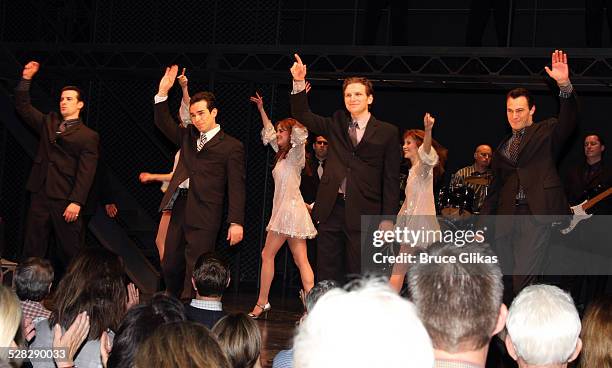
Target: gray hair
[
  {"x": 318, "y": 291},
  {"x": 368, "y": 326},
  {"x": 543, "y": 325},
  {"x": 33, "y": 278},
  {"x": 458, "y": 302}
]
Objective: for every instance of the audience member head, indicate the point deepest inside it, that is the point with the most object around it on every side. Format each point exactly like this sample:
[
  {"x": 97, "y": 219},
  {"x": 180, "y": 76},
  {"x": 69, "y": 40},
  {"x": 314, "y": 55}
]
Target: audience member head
[
  {"x": 597, "y": 334},
  {"x": 10, "y": 318},
  {"x": 139, "y": 323},
  {"x": 33, "y": 279},
  {"x": 543, "y": 327},
  {"x": 317, "y": 291},
  {"x": 211, "y": 276},
  {"x": 240, "y": 339},
  {"x": 368, "y": 325},
  {"x": 460, "y": 303},
  {"x": 181, "y": 344},
  {"x": 416, "y": 136},
  {"x": 93, "y": 283}
]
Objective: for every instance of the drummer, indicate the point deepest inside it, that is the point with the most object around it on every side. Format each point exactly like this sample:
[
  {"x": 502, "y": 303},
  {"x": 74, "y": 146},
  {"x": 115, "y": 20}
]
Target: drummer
[{"x": 476, "y": 176}]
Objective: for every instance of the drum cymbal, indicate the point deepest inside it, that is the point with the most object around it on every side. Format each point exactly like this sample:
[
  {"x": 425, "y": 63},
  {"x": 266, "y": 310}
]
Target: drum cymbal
[{"x": 478, "y": 180}]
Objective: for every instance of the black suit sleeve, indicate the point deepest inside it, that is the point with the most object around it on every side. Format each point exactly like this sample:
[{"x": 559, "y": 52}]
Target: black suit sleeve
[
  {"x": 236, "y": 185},
  {"x": 23, "y": 105},
  {"x": 301, "y": 112},
  {"x": 164, "y": 121},
  {"x": 86, "y": 170},
  {"x": 567, "y": 121}
]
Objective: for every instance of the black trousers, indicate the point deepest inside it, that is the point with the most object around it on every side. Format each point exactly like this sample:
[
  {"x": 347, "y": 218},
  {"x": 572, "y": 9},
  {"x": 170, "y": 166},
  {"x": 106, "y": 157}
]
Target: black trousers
[
  {"x": 522, "y": 250},
  {"x": 184, "y": 244},
  {"x": 45, "y": 216},
  {"x": 338, "y": 248}
]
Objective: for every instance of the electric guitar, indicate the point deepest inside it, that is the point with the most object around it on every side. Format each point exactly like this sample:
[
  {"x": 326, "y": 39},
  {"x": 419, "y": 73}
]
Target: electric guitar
[{"x": 579, "y": 210}]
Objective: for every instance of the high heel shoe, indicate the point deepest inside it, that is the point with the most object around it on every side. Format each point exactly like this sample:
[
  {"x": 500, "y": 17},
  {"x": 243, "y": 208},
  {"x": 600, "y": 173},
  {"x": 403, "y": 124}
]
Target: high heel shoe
[{"x": 264, "y": 311}]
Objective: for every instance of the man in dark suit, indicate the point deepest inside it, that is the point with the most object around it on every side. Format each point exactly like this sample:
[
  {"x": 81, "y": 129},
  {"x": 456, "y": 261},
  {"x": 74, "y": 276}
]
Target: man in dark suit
[
  {"x": 63, "y": 170},
  {"x": 211, "y": 162},
  {"x": 361, "y": 175},
  {"x": 526, "y": 183},
  {"x": 311, "y": 177}
]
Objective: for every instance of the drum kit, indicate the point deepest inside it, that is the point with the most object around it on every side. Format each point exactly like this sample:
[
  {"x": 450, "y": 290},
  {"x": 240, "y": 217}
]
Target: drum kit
[{"x": 460, "y": 202}]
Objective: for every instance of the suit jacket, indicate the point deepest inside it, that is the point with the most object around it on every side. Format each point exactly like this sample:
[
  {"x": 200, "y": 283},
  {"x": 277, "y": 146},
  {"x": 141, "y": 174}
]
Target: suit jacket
[
  {"x": 204, "y": 316},
  {"x": 536, "y": 168},
  {"x": 65, "y": 164},
  {"x": 310, "y": 183},
  {"x": 220, "y": 163},
  {"x": 371, "y": 168}
]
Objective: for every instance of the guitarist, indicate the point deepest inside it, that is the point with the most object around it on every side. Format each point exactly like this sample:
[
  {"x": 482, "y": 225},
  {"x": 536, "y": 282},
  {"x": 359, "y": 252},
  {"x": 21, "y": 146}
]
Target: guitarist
[
  {"x": 591, "y": 177},
  {"x": 590, "y": 254}
]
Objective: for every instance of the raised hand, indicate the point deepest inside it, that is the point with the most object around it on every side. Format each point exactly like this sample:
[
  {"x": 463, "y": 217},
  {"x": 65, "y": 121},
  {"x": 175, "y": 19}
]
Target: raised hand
[
  {"x": 72, "y": 339},
  {"x": 167, "y": 80},
  {"x": 182, "y": 79},
  {"x": 258, "y": 100},
  {"x": 298, "y": 69},
  {"x": 428, "y": 122},
  {"x": 308, "y": 87},
  {"x": 30, "y": 69},
  {"x": 133, "y": 296},
  {"x": 560, "y": 70},
  {"x": 111, "y": 210}
]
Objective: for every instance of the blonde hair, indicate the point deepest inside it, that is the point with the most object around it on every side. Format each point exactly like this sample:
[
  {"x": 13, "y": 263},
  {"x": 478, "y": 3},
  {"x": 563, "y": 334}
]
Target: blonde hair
[
  {"x": 10, "y": 318},
  {"x": 181, "y": 344},
  {"x": 597, "y": 335}
]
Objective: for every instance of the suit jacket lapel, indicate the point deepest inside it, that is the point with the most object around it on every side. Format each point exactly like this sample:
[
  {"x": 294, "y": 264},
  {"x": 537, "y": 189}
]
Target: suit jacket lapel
[{"x": 529, "y": 132}]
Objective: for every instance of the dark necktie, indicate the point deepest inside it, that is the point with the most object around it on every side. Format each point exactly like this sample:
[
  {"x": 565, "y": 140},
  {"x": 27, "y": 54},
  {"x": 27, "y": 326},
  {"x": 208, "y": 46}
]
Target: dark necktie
[
  {"x": 515, "y": 142},
  {"x": 353, "y": 126}
]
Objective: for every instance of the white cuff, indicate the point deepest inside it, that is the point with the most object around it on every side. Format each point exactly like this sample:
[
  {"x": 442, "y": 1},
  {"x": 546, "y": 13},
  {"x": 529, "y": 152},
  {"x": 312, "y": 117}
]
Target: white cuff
[
  {"x": 159, "y": 98},
  {"x": 298, "y": 86}
]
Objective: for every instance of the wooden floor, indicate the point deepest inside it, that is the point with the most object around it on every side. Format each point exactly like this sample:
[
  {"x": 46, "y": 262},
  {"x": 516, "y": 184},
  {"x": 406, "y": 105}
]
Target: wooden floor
[{"x": 277, "y": 331}]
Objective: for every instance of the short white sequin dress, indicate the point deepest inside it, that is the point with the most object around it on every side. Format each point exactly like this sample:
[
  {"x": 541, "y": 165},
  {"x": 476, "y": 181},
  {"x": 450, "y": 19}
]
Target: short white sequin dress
[
  {"x": 289, "y": 213},
  {"x": 419, "y": 210}
]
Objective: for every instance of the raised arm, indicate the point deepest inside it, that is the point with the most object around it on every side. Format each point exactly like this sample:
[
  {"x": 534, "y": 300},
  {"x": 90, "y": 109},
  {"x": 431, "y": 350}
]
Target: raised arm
[
  {"x": 299, "y": 102},
  {"x": 184, "y": 109},
  {"x": 146, "y": 177},
  {"x": 568, "y": 113},
  {"x": 265, "y": 120},
  {"x": 428, "y": 123},
  {"x": 23, "y": 105},
  {"x": 162, "y": 117}
]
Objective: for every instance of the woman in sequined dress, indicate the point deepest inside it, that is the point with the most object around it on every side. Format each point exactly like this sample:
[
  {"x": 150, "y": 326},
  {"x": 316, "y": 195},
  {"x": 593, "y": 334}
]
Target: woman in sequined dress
[
  {"x": 427, "y": 158},
  {"x": 290, "y": 220}
]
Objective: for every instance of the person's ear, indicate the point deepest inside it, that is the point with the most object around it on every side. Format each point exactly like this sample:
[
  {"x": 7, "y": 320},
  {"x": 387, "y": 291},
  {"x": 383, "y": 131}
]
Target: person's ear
[
  {"x": 532, "y": 110},
  {"x": 80, "y": 105},
  {"x": 193, "y": 283},
  {"x": 577, "y": 351},
  {"x": 370, "y": 99},
  {"x": 214, "y": 112},
  {"x": 229, "y": 279},
  {"x": 510, "y": 348},
  {"x": 501, "y": 319}
]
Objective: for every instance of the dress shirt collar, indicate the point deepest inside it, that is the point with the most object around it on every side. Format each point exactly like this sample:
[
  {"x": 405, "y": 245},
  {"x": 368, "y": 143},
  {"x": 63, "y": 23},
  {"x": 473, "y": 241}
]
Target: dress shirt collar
[
  {"x": 211, "y": 305},
  {"x": 362, "y": 124},
  {"x": 211, "y": 133}
]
